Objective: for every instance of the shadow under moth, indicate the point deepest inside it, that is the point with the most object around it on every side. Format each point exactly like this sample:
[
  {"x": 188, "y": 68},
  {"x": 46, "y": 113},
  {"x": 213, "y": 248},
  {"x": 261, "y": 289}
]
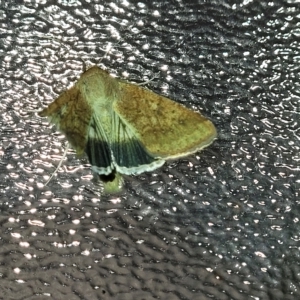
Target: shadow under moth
[{"x": 125, "y": 128}]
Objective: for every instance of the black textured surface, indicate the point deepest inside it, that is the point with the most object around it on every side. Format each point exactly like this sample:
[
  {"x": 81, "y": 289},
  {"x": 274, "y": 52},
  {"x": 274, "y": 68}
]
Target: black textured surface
[{"x": 221, "y": 224}]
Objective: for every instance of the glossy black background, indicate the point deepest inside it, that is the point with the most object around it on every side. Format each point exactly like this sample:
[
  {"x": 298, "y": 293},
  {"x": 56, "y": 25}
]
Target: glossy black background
[{"x": 221, "y": 224}]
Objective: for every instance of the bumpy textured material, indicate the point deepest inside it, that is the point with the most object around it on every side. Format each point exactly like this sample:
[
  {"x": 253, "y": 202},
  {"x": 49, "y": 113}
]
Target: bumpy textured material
[{"x": 220, "y": 224}]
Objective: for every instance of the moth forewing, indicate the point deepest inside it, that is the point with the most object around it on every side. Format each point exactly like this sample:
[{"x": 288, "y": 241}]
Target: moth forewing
[
  {"x": 166, "y": 129},
  {"x": 72, "y": 115}
]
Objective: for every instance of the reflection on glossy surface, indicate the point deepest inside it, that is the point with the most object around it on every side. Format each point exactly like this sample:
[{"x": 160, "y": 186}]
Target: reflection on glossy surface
[{"x": 226, "y": 226}]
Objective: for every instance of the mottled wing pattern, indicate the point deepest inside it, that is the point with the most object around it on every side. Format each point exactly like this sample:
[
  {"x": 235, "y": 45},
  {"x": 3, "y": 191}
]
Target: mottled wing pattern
[{"x": 165, "y": 128}]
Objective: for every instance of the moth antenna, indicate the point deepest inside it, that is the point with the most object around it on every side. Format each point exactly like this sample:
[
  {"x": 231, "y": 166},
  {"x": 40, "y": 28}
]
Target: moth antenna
[
  {"x": 84, "y": 67},
  {"x": 59, "y": 165},
  {"x": 151, "y": 79},
  {"x": 108, "y": 48},
  {"x": 32, "y": 111}
]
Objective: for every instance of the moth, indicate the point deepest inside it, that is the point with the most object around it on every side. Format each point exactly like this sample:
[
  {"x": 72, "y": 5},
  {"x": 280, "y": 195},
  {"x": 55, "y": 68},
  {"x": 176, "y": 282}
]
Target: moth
[{"x": 125, "y": 128}]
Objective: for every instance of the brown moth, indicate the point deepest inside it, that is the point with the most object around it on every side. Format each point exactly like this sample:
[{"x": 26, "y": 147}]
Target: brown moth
[{"x": 124, "y": 128}]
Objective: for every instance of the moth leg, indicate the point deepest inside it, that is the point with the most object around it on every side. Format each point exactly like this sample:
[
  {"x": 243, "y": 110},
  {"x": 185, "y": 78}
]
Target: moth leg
[{"x": 59, "y": 165}]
